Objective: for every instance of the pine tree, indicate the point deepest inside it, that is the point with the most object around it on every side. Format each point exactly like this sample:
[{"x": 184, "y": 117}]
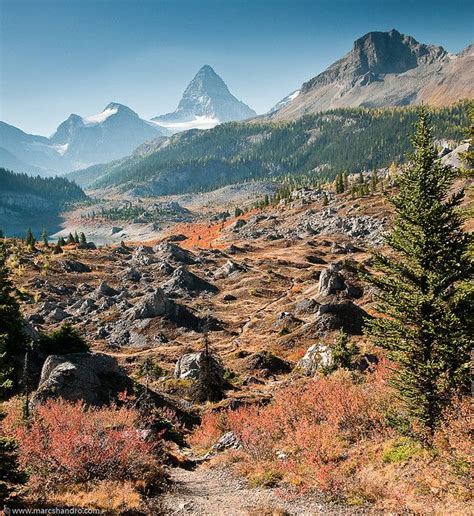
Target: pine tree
[
  {"x": 70, "y": 239},
  {"x": 345, "y": 181},
  {"x": 82, "y": 238},
  {"x": 76, "y": 237},
  {"x": 423, "y": 291},
  {"x": 2, "y": 235},
  {"x": 44, "y": 238},
  {"x": 11, "y": 326},
  {"x": 325, "y": 199},
  {"x": 30, "y": 240},
  {"x": 61, "y": 241}
]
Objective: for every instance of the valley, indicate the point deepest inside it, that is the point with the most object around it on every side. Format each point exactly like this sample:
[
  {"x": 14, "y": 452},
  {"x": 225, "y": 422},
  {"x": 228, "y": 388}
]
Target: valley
[{"x": 218, "y": 312}]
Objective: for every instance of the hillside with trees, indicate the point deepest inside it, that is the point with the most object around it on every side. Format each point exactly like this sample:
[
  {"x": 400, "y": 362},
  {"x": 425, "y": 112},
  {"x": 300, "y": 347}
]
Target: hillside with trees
[{"x": 321, "y": 144}]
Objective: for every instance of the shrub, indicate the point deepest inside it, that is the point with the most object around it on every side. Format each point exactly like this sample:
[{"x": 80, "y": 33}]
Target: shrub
[
  {"x": 62, "y": 341},
  {"x": 68, "y": 443}
]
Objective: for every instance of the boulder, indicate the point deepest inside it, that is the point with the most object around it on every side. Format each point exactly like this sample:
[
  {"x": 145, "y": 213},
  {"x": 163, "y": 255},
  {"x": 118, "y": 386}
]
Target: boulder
[
  {"x": 330, "y": 280},
  {"x": 93, "y": 377},
  {"x": 175, "y": 253},
  {"x": 74, "y": 266},
  {"x": 345, "y": 316},
  {"x": 188, "y": 366},
  {"x": 58, "y": 314},
  {"x": 317, "y": 358},
  {"x": 153, "y": 304},
  {"x": 268, "y": 363},
  {"x": 287, "y": 320},
  {"x": 184, "y": 281},
  {"x": 227, "y": 269},
  {"x": 306, "y": 306},
  {"x": 227, "y": 441},
  {"x": 105, "y": 290},
  {"x": 132, "y": 275}
]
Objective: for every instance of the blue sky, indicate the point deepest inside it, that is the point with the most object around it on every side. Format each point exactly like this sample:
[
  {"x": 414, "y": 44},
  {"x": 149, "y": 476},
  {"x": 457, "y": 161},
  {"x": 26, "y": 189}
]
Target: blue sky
[{"x": 63, "y": 56}]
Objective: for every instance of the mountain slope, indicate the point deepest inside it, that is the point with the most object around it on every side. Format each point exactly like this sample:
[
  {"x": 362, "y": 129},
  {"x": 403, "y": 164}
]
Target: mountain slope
[
  {"x": 78, "y": 141},
  {"x": 34, "y": 202},
  {"x": 33, "y": 151},
  {"x": 387, "y": 69},
  {"x": 315, "y": 145},
  {"x": 206, "y": 102},
  {"x": 109, "y": 135}
]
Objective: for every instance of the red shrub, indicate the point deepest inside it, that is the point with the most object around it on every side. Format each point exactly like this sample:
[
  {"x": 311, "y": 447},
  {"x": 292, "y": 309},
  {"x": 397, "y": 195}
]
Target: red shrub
[
  {"x": 67, "y": 442},
  {"x": 307, "y": 429}
]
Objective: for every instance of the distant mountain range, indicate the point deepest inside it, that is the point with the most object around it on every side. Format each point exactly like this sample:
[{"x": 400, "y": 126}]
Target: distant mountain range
[
  {"x": 115, "y": 132},
  {"x": 77, "y": 143},
  {"x": 383, "y": 69},
  {"x": 386, "y": 69},
  {"x": 206, "y": 102}
]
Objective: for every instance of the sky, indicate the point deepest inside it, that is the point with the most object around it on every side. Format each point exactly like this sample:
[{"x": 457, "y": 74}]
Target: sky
[{"x": 59, "y": 57}]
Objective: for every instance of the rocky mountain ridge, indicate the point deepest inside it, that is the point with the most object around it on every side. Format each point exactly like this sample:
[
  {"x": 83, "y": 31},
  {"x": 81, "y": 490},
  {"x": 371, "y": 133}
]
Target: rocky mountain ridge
[{"x": 387, "y": 69}]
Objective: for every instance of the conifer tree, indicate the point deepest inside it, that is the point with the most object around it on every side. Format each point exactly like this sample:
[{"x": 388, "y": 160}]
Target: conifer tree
[
  {"x": 82, "y": 238},
  {"x": 44, "y": 238},
  {"x": 61, "y": 241},
  {"x": 422, "y": 287},
  {"x": 76, "y": 237},
  {"x": 30, "y": 240},
  {"x": 70, "y": 239},
  {"x": 325, "y": 199},
  {"x": 10, "y": 317}
]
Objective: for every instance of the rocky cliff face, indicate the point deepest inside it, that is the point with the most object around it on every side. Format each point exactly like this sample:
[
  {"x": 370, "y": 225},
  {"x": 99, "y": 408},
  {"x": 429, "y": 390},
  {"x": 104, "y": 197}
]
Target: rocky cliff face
[{"x": 387, "y": 69}]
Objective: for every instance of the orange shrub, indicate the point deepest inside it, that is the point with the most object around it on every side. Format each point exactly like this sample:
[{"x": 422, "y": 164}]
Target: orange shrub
[
  {"x": 308, "y": 428},
  {"x": 70, "y": 443}
]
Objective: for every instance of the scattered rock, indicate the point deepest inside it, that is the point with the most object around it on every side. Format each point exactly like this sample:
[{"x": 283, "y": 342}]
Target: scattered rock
[
  {"x": 92, "y": 377},
  {"x": 227, "y": 269},
  {"x": 152, "y": 305},
  {"x": 306, "y": 306},
  {"x": 344, "y": 315},
  {"x": 105, "y": 290},
  {"x": 184, "y": 281},
  {"x": 330, "y": 280},
  {"x": 188, "y": 366},
  {"x": 227, "y": 441},
  {"x": 175, "y": 253},
  {"x": 268, "y": 363},
  {"x": 316, "y": 358},
  {"x": 74, "y": 266}
]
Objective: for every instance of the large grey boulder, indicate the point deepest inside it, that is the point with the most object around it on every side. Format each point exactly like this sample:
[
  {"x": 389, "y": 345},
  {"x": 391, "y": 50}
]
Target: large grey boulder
[
  {"x": 455, "y": 158},
  {"x": 175, "y": 253},
  {"x": 152, "y": 305},
  {"x": 188, "y": 366},
  {"x": 227, "y": 269},
  {"x": 104, "y": 289},
  {"x": 345, "y": 316},
  {"x": 184, "y": 281},
  {"x": 93, "y": 377},
  {"x": 318, "y": 357},
  {"x": 331, "y": 280}
]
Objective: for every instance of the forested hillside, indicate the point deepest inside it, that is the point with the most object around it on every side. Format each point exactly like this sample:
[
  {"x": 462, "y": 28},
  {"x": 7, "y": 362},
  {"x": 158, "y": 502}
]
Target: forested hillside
[
  {"x": 55, "y": 190},
  {"x": 324, "y": 144}
]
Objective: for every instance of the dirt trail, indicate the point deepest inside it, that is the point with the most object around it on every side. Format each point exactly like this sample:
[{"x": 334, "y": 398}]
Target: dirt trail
[{"x": 217, "y": 492}]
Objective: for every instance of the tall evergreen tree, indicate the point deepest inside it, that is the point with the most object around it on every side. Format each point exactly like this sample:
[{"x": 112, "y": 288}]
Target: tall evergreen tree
[
  {"x": 70, "y": 239},
  {"x": 30, "y": 240},
  {"x": 44, "y": 238},
  {"x": 11, "y": 327},
  {"x": 422, "y": 286},
  {"x": 82, "y": 238}
]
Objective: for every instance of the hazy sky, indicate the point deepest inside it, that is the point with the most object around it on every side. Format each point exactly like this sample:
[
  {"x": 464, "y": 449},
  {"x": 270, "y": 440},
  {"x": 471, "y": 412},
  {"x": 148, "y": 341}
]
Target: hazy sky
[{"x": 75, "y": 56}]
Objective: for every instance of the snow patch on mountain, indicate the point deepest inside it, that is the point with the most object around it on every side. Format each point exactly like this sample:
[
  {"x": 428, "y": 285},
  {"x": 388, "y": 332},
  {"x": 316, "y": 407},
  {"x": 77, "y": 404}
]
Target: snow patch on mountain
[
  {"x": 101, "y": 117},
  {"x": 198, "y": 122}
]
